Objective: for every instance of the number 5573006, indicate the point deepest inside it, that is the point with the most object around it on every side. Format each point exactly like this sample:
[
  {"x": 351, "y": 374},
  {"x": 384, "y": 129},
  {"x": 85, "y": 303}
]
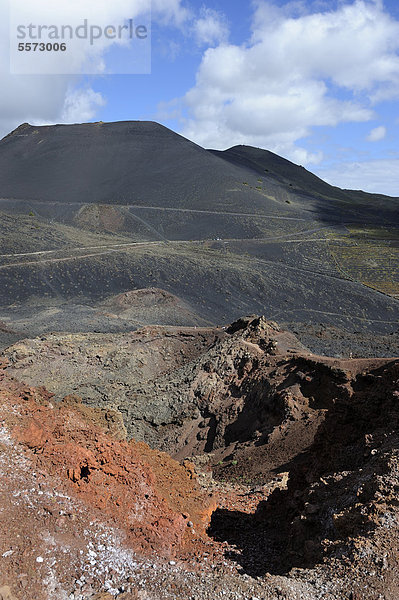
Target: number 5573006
[{"x": 41, "y": 47}]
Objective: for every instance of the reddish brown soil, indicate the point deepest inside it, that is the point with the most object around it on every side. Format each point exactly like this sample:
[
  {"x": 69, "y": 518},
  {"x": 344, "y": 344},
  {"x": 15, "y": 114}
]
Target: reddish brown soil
[
  {"x": 146, "y": 492},
  {"x": 142, "y": 298},
  {"x": 100, "y": 218}
]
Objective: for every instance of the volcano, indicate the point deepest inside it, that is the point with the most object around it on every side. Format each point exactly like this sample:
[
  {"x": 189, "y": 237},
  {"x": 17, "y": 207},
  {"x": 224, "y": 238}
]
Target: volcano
[{"x": 91, "y": 211}]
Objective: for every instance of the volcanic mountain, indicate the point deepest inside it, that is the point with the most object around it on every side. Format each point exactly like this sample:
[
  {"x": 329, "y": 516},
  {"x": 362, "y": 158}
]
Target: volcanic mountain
[{"x": 96, "y": 210}]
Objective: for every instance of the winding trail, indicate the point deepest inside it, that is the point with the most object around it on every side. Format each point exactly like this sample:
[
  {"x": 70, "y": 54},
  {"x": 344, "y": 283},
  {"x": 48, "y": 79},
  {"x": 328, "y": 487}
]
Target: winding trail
[{"x": 216, "y": 212}]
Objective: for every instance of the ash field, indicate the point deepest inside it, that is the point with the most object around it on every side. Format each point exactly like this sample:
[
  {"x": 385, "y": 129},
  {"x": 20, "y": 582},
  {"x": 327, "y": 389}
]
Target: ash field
[{"x": 95, "y": 210}]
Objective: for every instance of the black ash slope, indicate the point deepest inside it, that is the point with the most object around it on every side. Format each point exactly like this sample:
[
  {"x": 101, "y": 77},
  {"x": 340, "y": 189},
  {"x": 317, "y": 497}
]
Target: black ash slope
[{"x": 93, "y": 210}]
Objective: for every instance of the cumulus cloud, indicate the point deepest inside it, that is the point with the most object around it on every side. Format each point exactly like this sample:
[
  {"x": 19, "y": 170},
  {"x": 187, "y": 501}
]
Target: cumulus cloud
[
  {"x": 210, "y": 28},
  {"x": 171, "y": 12},
  {"x": 376, "y": 176},
  {"x": 377, "y": 134},
  {"x": 50, "y": 99},
  {"x": 296, "y": 71},
  {"x": 81, "y": 105},
  {"x": 86, "y": 54}
]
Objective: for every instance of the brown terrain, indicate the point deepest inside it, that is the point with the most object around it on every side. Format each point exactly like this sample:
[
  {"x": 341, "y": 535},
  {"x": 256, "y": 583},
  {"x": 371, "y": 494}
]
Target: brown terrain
[{"x": 270, "y": 472}]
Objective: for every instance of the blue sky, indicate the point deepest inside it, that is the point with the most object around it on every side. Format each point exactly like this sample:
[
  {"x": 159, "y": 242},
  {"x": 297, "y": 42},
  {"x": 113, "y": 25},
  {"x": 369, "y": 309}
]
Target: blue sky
[
  {"x": 317, "y": 82},
  {"x": 176, "y": 57}
]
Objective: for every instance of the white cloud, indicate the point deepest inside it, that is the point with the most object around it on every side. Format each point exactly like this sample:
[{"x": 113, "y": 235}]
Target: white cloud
[
  {"x": 211, "y": 28},
  {"x": 376, "y": 176},
  {"x": 51, "y": 99},
  {"x": 354, "y": 45},
  {"x": 171, "y": 12},
  {"x": 294, "y": 73},
  {"x": 83, "y": 55},
  {"x": 377, "y": 134},
  {"x": 81, "y": 105}
]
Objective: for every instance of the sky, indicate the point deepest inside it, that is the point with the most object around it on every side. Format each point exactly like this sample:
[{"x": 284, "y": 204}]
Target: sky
[{"x": 314, "y": 81}]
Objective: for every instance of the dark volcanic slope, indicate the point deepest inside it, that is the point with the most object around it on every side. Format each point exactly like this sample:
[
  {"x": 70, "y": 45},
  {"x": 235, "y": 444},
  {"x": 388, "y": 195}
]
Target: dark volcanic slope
[
  {"x": 127, "y": 163},
  {"x": 94, "y": 210},
  {"x": 327, "y": 201}
]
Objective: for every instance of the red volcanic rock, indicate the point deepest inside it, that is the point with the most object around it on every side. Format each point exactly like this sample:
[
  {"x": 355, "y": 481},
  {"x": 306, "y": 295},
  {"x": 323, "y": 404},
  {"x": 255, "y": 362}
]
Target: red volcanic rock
[{"x": 146, "y": 493}]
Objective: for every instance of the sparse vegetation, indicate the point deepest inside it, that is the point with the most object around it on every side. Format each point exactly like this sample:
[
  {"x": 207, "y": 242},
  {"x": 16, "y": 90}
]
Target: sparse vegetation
[{"x": 369, "y": 255}]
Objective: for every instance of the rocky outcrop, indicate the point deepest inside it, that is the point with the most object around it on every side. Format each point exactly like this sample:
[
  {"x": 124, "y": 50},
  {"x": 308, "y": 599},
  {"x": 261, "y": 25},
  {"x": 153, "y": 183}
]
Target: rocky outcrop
[
  {"x": 250, "y": 389},
  {"x": 147, "y": 494}
]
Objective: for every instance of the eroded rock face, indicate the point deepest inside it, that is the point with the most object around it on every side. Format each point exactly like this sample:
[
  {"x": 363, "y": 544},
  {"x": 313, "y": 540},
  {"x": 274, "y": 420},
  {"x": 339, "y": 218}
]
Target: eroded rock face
[
  {"x": 178, "y": 389},
  {"x": 338, "y": 512},
  {"x": 101, "y": 368},
  {"x": 248, "y": 389},
  {"x": 142, "y": 491},
  {"x": 346, "y": 484}
]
